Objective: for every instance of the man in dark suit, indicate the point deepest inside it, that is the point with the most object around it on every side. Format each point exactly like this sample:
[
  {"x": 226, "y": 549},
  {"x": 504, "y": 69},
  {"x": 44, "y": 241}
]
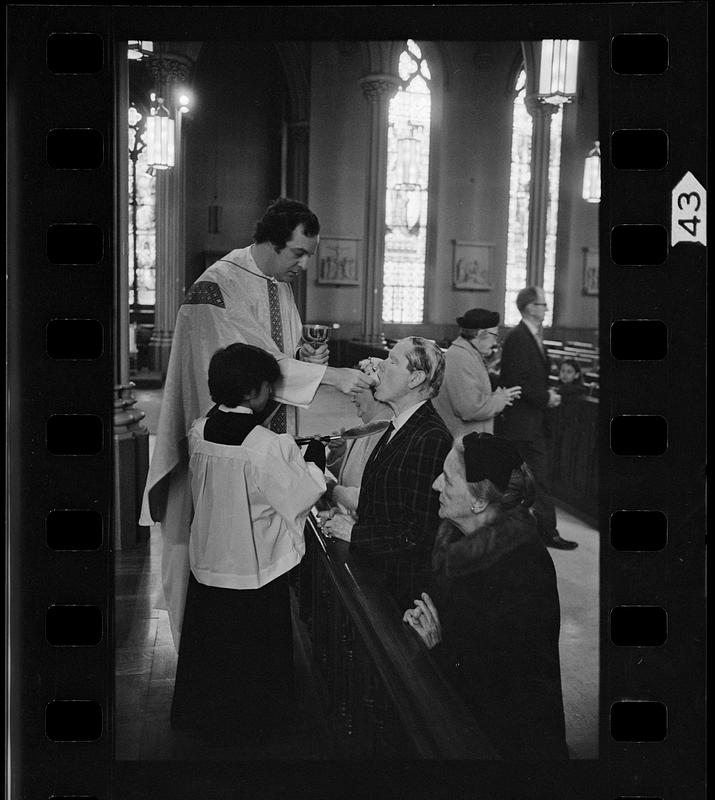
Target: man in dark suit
[
  {"x": 524, "y": 363},
  {"x": 397, "y": 513}
]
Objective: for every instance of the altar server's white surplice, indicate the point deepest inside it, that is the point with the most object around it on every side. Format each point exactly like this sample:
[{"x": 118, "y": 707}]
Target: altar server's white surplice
[
  {"x": 228, "y": 303},
  {"x": 250, "y": 505}
]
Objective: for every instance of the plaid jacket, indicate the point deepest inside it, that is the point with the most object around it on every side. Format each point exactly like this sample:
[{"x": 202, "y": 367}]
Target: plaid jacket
[{"x": 398, "y": 509}]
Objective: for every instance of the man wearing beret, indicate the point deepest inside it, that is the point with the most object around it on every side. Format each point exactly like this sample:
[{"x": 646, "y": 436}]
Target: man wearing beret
[
  {"x": 466, "y": 402},
  {"x": 524, "y": 362}
]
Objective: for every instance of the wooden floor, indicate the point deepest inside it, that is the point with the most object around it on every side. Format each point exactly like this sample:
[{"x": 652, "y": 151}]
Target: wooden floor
[
  {"x": 145, "y": 665},
  {"x": 145, "y": 658}
]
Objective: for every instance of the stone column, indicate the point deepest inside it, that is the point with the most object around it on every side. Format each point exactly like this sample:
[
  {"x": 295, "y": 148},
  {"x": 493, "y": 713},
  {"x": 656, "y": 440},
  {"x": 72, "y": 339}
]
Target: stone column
[
  {"x": 167, "y": 73},
  {"x": 378, "y": 89},
  {"x": 539, "y": 188},
  {"x": 121, "y": 331},
  {"x": 297, "y": 160},
  {"x": 131, "y": 466}
]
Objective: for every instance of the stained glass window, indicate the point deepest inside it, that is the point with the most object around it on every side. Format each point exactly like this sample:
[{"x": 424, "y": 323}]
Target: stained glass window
[
  {"x": 518, "y": 229},
  {"x": 552, "y": 212},
  {"x": 519, "y": 193},
  {"x": 142, "y": 221},
  {"x": 408, "y": 138}
]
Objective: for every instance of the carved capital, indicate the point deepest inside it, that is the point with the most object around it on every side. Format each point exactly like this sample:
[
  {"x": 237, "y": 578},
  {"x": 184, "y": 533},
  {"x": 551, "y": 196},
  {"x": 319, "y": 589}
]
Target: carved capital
[
  {"x": 167, "y": 69},
  {"x": 537, "y": 108},
  {"x": 375, "y": 87}
]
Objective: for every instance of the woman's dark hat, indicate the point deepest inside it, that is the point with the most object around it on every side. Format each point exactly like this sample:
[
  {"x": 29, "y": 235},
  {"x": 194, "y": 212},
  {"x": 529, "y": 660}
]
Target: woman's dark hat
[
  {"x": 478, "y": 319},
  {"x": 487, "y": 456}
]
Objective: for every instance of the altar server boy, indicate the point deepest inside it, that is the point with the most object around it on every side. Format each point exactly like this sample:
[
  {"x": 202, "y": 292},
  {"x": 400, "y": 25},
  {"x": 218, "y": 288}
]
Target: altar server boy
[{"x": 251, "y": 491}]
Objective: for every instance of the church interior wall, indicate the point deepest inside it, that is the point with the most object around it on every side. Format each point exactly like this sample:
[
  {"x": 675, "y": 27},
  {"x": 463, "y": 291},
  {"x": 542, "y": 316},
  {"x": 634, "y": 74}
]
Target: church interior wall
[
  {"x": 339, "y": 136},
  {"x": 233, "y": 153},
  {"x": 233, "y": 145},
  {"x": 578, "y": 220},
  {"x": 474, "y": 158}
]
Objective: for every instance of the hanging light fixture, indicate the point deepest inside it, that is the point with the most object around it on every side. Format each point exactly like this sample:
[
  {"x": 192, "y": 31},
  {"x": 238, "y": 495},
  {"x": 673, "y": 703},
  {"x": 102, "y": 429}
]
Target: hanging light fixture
[
  {"x": 558, "y": 68},
  {"x": 160, "y": 135},
  {"x": 136, "y": 50},
  {"x": 592, "y": 175},
  {"x": 184, "y": 104}
]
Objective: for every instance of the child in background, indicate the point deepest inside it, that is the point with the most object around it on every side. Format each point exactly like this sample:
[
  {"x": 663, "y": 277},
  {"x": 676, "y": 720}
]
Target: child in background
[
  {"x": 252, "y": 491},
  {"x": 570, "y": 385}
]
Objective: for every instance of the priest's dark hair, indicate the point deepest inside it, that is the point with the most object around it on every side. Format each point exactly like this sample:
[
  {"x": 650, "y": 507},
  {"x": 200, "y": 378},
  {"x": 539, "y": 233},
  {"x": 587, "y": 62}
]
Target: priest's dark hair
[
  {"x": 239, "y": 370},
  {"x": 281, "y": 218}
]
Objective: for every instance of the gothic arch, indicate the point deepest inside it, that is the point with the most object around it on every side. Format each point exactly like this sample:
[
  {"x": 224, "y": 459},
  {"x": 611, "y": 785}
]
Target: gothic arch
[
  {"x": 295, "y": 59},
  {"x": 517, "y": 64},
  {"x": 530, "y": 52},
  {"x": 381, "y": 58}
]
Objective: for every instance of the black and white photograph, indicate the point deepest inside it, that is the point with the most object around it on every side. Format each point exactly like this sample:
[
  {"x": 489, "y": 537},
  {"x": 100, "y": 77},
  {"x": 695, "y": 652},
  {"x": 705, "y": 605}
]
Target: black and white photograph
[
  {"x": 448, "y": 154},
  {"x": 357, "y": 401}
]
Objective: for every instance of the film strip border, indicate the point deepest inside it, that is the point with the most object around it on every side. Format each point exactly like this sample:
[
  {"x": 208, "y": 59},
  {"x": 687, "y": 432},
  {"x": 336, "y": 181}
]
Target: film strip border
[
  {"x": 653, "y": 319},
  {"x": 62, "y": 248},
  {"x": 61, "y": 351}
]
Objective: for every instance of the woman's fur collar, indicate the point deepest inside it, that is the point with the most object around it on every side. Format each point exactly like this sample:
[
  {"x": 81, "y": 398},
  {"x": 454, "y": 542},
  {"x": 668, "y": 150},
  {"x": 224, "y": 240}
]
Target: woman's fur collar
[{"x": 455, "y": 554}]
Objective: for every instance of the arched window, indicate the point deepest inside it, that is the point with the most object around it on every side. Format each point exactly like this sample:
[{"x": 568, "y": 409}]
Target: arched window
[
  {"x": 142, "y": 222},
  {"x": 552, "y": 212},
  {"x": 407, "y": 190},
  {"x": 519, "y": 194},
  {"x": 517, "y": 259}
]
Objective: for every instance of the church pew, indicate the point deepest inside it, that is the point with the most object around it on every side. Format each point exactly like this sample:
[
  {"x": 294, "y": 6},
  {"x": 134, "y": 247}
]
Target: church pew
[
  {"x": 381, "y": 690},
  {"x": 573, "y": 445}
]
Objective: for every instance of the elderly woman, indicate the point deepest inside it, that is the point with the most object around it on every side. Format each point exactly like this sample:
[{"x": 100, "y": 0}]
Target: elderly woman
[
  {"x": 493, "y": 618},
  {"x": 466, "y": 401}
]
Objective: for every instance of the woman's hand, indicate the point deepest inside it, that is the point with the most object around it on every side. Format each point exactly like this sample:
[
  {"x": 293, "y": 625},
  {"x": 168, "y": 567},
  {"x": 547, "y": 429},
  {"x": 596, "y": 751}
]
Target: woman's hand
[
  {"x": 425, "y": 620},
  {"x": 512, "y": 393},
  {"x": 508, "y": 396}
]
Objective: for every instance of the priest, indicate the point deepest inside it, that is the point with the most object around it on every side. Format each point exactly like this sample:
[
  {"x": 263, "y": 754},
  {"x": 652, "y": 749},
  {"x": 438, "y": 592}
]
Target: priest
[{"x": 243, "y": 297}]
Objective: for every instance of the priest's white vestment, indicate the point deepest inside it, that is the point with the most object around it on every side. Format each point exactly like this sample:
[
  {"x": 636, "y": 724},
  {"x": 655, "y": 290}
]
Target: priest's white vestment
[{"x": 227, "y": 303}]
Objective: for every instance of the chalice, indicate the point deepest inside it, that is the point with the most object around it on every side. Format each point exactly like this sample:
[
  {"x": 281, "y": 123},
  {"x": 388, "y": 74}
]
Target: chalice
[{"x": 316, "y": 334}]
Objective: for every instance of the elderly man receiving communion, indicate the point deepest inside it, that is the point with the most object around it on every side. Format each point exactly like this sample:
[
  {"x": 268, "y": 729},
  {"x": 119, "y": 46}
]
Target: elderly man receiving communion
[
  {"x": 243, "y": 297},
  {"x": 398, "y": 511}
]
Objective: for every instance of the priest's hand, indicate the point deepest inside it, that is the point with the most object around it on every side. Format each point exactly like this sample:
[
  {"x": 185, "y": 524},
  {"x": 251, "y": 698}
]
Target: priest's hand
[
  {"x": 314, "y": 355},
  {"x": 348, "y": 380}
]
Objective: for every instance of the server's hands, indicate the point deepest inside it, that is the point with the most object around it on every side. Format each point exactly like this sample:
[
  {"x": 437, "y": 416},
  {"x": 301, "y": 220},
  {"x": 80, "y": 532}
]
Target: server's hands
[{"x": 337, "y": 523}]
